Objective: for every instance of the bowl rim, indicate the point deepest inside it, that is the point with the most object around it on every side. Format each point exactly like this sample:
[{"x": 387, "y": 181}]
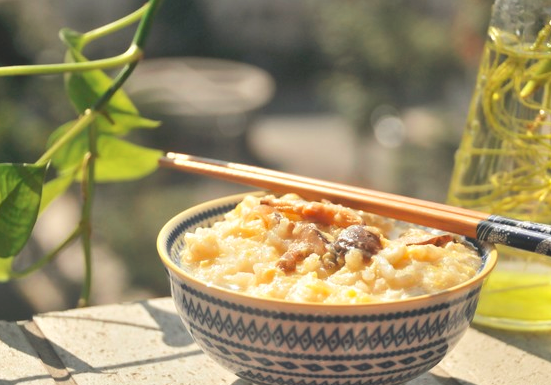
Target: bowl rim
[{"x": 172, "y": 223}]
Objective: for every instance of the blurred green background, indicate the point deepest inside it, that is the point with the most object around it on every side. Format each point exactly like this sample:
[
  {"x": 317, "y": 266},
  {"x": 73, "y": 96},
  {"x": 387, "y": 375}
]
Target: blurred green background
[{"x": 371, "y": 92}]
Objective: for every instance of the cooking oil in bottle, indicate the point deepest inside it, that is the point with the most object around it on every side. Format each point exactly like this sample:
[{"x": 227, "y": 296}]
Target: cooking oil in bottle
[{"x": 503, "y": 164}]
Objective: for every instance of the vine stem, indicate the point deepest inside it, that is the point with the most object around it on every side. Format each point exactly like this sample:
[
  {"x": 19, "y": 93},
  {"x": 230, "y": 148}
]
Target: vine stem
[
  {"x": 113, "y": 27},
  {"x": 138, "y": 42},
  {"x": 132, "y": 54},
  {"x": 88, "y": 185},
  {"x": 129, "y": 60},
  {"x": 80, "y": 125},
  {"x": 88, "y": 189},
  {"x": 48, "y": 258}
]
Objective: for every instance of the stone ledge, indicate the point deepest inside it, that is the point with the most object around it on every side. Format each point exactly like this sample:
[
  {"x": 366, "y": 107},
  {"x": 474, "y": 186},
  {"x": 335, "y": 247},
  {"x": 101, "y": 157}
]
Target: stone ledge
[{"x": 145, "y": 343}]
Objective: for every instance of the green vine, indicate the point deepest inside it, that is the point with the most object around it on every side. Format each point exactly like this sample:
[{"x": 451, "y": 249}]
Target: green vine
[{"x": 87, "y": 150}]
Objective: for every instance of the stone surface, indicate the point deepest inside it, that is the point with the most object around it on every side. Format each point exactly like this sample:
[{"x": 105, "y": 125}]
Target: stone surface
[
  {"x": 492, "y": 357},
  {"x": 19, "y": 362},
  {"x": 145, "y": 343},
  {"x": 137, "y": 343}
]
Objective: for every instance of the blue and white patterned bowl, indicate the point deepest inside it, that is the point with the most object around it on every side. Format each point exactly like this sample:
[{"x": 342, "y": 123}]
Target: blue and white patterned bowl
[{"x": 277, "y": 342}]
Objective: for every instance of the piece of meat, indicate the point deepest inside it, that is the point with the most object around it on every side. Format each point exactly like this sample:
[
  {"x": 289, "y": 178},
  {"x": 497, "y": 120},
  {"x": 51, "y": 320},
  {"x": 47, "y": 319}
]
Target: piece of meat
[
  {"x": 353, "y": 237},
  {"x": 309, "y": 240},
  {"x": 320, "y": 212}
]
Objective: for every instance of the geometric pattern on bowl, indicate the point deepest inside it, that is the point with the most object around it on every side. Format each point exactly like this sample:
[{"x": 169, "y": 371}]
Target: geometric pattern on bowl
[{"x": 275, "y": 342}]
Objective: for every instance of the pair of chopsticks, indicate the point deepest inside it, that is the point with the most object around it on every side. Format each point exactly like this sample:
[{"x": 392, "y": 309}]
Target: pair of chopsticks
[{"x": 530, "y": 236}]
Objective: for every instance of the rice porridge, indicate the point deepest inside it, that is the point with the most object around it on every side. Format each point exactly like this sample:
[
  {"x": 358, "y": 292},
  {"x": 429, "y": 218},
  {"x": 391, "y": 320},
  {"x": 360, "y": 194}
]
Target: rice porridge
[{"x": 302, "y": 251}]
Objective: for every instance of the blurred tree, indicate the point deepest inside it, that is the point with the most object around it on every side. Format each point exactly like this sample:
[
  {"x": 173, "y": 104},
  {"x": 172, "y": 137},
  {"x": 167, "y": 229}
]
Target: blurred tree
[{"x": 399, "y": 53}]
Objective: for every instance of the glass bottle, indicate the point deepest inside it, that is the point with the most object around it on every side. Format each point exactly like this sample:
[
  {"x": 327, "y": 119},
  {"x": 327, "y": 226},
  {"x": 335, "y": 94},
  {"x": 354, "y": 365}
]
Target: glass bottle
[{"x": 503, "y": 163}]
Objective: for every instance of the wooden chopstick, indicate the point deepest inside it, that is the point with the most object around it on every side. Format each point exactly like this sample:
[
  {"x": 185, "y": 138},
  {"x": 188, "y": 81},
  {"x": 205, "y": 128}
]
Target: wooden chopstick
[
  {"x": 496, "y": 229},
  {"x": 332, "y": 185}
]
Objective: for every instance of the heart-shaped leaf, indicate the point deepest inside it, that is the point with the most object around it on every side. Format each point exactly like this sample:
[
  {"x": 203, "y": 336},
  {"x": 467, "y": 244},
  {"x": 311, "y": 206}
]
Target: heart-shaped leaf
[
  {"x": 121, "y": 123},
  {"x": 86, "y": 87},
  {"x": 20, "y": 194},
  {"x": 119, "y": 160},
  {"x": 5, "y": 269}
]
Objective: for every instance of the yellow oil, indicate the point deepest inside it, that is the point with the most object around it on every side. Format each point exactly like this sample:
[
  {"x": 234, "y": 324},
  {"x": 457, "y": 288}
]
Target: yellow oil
[
  {"x": 503, "y": 166},
  {"x": 516, "y": 296}
]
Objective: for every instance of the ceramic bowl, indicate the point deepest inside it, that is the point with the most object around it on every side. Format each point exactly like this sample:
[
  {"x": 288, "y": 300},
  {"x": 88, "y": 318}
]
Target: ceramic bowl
[{"x": 276, "y": 342}]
